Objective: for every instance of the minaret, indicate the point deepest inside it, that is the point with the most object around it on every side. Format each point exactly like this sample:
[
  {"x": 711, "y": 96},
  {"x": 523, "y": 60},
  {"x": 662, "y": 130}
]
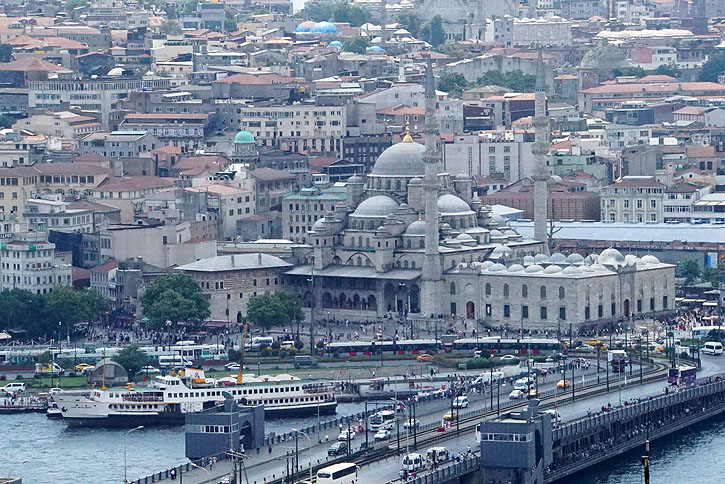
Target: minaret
[
  {"x": 432, "y": 280},
  {"x": 383, "y": 23},
  {"x": 540, "y": 148}
]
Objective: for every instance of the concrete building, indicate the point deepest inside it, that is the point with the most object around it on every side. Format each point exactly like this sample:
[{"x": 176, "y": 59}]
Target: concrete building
[
  {"x": 103, "y": 279},
  {"x": 28, "y": 262},
  {"x": 709, "y": 208},
  {"x": 186, "y": 130},
  {"x": 301, "y": 209},
  {"x": 52, "y": 213},
  {"x": 17, "y": 185},
  {"x": 127, "y": 193},
  {"x": 229, "y": 281},
  {"x": 679, "y": 200},
  {"x": 62, "y": 124},
  {"x": 232, "y": 204},
  {"x": 120, "y": 144},
  {"x": 633, "y": 199},
  {"x": 485, "y": 154},
  {"x": 565, "y": 158}
]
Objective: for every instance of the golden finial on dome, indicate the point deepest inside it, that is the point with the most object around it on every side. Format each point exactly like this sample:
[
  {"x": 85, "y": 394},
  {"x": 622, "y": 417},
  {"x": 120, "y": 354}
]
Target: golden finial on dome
[
  {"x": 420, "y": 216},
  {"x": 407, "y": 138}
]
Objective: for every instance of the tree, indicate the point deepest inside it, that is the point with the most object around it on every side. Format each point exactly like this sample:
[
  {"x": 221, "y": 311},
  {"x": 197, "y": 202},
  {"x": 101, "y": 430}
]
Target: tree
[
  {"x": 318, "y": 11},
  {"x": 71, "y": 5},
  {"x": 668, "y": 70},
  {"x": 689, "y": 270},
  {"x": 635, "y": 71},
  {"x": 410, "y": 22},
  {"x": 356, "y": 44},
  {"x": 292, "y": 305},
  {"x": 264, "y": 310},
  {"x": 453, "y": 83},
  {"x": 7, "y": 121},
  {"x": 436, "y": 34},
  {"x": 171, "y": 27},
  {"x": 352, "y": 14},
  {"x": 713, "y": 68},
  {"x": 66, "y": 306},
  {"x": 132, "y": 359},
  {"x": 6, "y": 52},
  {"x": 176, "y": 298},
  {"x": 453, "y": 50},
  {"x": 230, "y": 20},
  {"x": 515, "y": 80}
]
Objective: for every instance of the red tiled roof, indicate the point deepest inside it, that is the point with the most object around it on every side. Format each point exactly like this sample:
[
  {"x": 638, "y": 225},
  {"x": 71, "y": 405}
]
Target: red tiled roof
[
  {"x": 134, "y": 183},
  {"x": 323, "y": 161},
  {"x": 153, "y": 116},
  {"x": 106, "y": 267},
  {"x": 72, "y": 169},
  {"x": 637, "y": 182},
  {"x": 261, "y": 79},
  {"x": 30, "y": 64}
]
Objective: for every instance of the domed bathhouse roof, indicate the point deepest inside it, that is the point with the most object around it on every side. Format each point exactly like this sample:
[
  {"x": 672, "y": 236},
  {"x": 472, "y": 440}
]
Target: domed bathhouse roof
[
  {"x": 305, "y": 26},
  {"x": 611, "y": 257},
  {"x": 558, "y": 258},
  {"x": 650, "y": 259},
  {"x": 529, "y": 259},
  {"x": 377, "y": 206},
  {"x": 401, "y": 159},
  {"x": 541, "y": 258},
  {"x": 244, "y": 137},
  {"x": 497, "y": 268},
  {"x": 516, "y": 268},
  {"x": 335, "y": 43},
  {"x": 324, "y": 28},
  {"x": 533, "y": 268},
  {"x": 375, "y": 49},
  {"x": 552, "y": 269},
  {"x": 452, "y": 205}
]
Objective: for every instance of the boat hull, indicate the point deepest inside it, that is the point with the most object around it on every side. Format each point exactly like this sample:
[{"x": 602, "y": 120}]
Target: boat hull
[{"x": 177, "y": 418}]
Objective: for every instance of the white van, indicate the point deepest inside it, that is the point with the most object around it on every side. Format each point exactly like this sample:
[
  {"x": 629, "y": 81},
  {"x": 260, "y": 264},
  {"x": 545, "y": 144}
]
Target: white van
[
  {"x": 16, "y": 387},
  {"x": 460, "y": 402},
  {"x": 437, "y": 454},
  {"x": 712, "y": 348},
  {"x": 413, "y": 463},
  {"x": 259, "y": 342},
  {"x": 172, "y": 361},
  {"x": 523, "y": 384}
]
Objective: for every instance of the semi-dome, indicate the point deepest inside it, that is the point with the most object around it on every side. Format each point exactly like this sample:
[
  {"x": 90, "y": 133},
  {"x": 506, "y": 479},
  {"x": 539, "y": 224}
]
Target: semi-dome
[
  {"x": 611, "y": 257},
  {"x": 630, "y": 259},
  {"x": 244, "y": 137},
  {"x": 502, "y": 250},
  {"x": 115, "y": 72},
  {"x": 449, "y": 204},
  {"x": 416, "y": 228},
  {"x": 305, "y": 26},
  {"x": 486, "y": 264},
  {"x": 318, "y": 225},
  {"x": 529, "y": 259},
  {"x": 401, "y": 159},
  {"x": 650, "y": 259},
  {"x": 464, "y": 238},
  {"x": 533, "y": 268},
  {"x": 324, "y": 28},
  {"x": 516, "y": 268},
  {"x": 552, "y": 269},
  {"x": 377, "y": 206}
]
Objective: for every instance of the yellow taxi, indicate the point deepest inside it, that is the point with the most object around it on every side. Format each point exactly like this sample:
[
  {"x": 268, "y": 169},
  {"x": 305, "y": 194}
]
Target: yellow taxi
[
  {"x": 450, "y": 415},
  {"x": 81, "y": 366},
  {"x": 593, "y": 342},
  {"x": 425, "y": 357},
  {"x": 563, "y": 384}
]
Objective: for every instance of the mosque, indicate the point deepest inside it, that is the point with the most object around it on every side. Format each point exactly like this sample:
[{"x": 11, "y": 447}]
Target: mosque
[{"x": 412, "y": 239}]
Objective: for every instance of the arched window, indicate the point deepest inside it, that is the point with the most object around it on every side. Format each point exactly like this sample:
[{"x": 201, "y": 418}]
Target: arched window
[
  {"x": 359, "y": 241},
  {"x": 488, "y": 289},
  {"x": 408, "y": 243},
  {"x": 367, "y": 242},
  {"x": 562, "y": 293},
  {"x": 405, "y": 264},
  {"x": 387, "y": 184},
  {"x": 359, "y": 261},
  {"x": 422, "y": 243},
  {"x": 524, "y": 290},
  {"x": 412, "y": 264},
  {"x": 397, "y": 184},
  {"x": 543, "y": 292},
  {"x": 506, "y": 291},
  {"x": 453, "y": 287}
]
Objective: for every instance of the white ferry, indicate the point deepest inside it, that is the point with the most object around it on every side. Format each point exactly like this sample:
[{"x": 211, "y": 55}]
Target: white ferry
[{"x": 170, "y": 397}]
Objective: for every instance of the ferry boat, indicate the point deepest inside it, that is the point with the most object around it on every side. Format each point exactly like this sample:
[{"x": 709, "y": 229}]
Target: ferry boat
[{"x": 169, "y": 398}]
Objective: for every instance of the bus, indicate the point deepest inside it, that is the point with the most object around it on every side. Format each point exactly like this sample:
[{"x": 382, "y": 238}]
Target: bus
[
  {"x": 173, "y": 361},
  {"x": 342, "y": 473},
  {"x": 617, "y": 360},
  {"x": 702, "y": 332},
  {"x": 510, "y": 346},
  {"x": 388, "y": 347},
  {"x": 682, "y": 375}
]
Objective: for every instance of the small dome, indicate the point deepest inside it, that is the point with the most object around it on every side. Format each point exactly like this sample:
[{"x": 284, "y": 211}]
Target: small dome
[
  {"x": 401, "y": 159},
  {"x": 244, "y": 137},
  {"x": 464, "y": 238},
  {"x": 304, "y": 27},
  {"x": 571, "y": 270},
  {"x": 539, "y": 258},
  {"x": 375, "y": 49},
  {"x": 598, "y": 267},
  {"x": 377, "y": 206},
  {"x": 650, "y": 259},
  {"x": 534, "y": 268},
  {"x": 502, "y": 250},
  {"x": 552, "y": 269},
  {"x": 335, "y": 43},
  {"x": 486, "y": 264},
  {"x": 452, "y": 205},
  {"x": 610, "y": 257},
  {"x": 324, "y": 28},
  {"x": 574, "y": 258},
  {"x": 495, "y": 233},
  {"x": 516, "y": 268},
  {"x": 590, "y": 259},
  {"x": 115, "y": 72},
  {"x": 497, "y": 268},
  {"x": 463, "y": 177},
  {"x": 415, "y": 181},
  {"x": 529, "y": 259},
  {"x": 586, "y": 269},
  {"x": 319, "y": 225},
  {"x": 416, "y": 228},
  {"x": 357, "y": 179},
  {"x": 630, "y": 259},
  {"x": 558, "y": 258}
]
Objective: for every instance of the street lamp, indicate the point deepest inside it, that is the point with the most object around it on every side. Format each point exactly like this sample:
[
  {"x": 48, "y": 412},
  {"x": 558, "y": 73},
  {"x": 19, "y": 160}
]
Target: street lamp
[
  {"x": 200, "y": 467},
  {"x": 407, "y": 427},
  {"x": 125, "y": 440},
  {"x": 309, "y": 440}
]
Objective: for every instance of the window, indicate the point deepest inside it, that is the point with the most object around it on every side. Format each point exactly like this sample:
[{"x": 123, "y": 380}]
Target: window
[
  {"x": 524, "y": 290},
  {"x": 506, "y": 291},
  {"x": 524, "y": 312},
  {"x": 587, "y": 313},
  {"x": 543, "y": 292},
  {"x": 562, "y": 313},
  {"x": 506, "y": 311},
  {"x": 562, "y": 292},
  {"x": 488, "y": 310},
  {"x": 453, "y": 287},
  {"x": 488, "y": 289},
  {"x": 543, "y": 312}
]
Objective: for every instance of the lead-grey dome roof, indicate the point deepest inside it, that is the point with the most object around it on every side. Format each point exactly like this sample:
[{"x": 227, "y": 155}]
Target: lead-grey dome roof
[
  {"x": 401, "y": 159},
  {"x": 449, "y": 204},
  {"x": 377, "y": 206},
  {"x": 416, "y": 228}
]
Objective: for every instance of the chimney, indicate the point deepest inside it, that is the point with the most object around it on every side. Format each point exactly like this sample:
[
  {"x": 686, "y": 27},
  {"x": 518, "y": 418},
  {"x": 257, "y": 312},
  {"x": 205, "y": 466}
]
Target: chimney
[{"x": 259, "y": 258}]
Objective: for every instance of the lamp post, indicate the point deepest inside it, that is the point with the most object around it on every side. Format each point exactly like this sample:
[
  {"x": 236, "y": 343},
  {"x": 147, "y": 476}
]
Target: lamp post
[
  {"x": 125, "y": 440},
  {"x": 311, "y": 280},
  {"x": 309, "y": 440},
  {"x": 200, "y": 467},
  {"x": 407, "y": 427}
]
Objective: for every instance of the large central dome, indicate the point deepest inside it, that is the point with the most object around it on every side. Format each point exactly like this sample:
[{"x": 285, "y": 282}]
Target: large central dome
[{"x": 401, "y": 159}]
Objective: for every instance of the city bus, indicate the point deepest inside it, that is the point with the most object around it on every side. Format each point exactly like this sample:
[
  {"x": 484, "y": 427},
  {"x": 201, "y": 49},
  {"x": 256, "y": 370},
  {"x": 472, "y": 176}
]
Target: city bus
[
  {"x": 702, "y": 332},
  {"x": 510, "y": 346},
  {"x": 682, "y": 375},
  {"x": 342, "y": 473}
]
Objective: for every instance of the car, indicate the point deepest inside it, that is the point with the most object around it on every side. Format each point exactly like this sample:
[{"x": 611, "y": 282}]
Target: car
[
  {"x": 509, "y": 358},
  {"x": 338, "y": 448},
  {"x": 14, "y": 387},
  {"x": 387, "y": 425},
  {"x": 55, "y": 391},
  {"x": 346, "y": 435},
  {"x": 382, "y": 434},
  {"x": 232, "y": 366},
  {"x": 549, "y": 360},
  {"x": 450, "y": 415},
  {"x": 460, "y": 402},
  {"x": 82, "y": 366},
  {"x": 412, "y": 423},
  {"x": 150, "y": 369},
  {"x": 563, "y": 384},
  {"x": 88, "y": 370},
  {"x": 425, "y": 357},
  {"x": 593, "y": 342},
  {"x": 516, "y": 394},
  {"x": 534, "y": 393},
  {"x": 586, "y": 349},
  {"x": 226, "y": 480}
]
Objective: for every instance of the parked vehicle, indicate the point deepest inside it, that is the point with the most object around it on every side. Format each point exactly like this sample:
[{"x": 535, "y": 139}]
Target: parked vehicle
[
  {"x": 338, "y": 448},
  {"x": 461, "y": 402},
  {"x": 437, "y": 454},
  {"x": 346, "y": 435},
  {"x": 712, "y": 348},
  {"x": 14, "y": 387},
  {"x": 413, "y": 462},
  {"x": 382, "y": 434}
]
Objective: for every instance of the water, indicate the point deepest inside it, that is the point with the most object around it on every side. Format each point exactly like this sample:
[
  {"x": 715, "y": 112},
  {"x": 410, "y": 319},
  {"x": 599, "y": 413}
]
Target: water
[
  {"x": 95, "y": 456},
  {"x": 56, "y": 453}
]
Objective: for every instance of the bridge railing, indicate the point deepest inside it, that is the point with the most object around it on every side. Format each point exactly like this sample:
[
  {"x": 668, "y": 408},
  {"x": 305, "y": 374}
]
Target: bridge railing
[{"x": 449, "y": 472}]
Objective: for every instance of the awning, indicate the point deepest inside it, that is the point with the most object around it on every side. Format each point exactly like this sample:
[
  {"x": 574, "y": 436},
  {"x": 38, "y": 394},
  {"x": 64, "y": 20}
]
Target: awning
[
  {"x": 360, "y": 272},
  {"x": 711, "y": 304},
  {"x": 214, "y": 324}
]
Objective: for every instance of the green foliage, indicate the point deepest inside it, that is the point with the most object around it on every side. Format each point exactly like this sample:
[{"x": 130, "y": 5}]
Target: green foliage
[
  {"x": 176, "y": 298},
  {"x": 716, "y": 335},
  {"x": 356, "y": 44},
  {"x": 189, "y": 7},
  {"x": 71, "y": 5},
  {"x": 68, "y": 306},
  {"x": 689, "y": 270},
  {"x": 713, "y": 276},
  {"x": 452, "y": 83},
  {"x": 6, "y": 52},
  {"x": 410, "y": 22},
  {"x": 274, "y": 309},
  {"x": 713, "y": 68},
  {"x": 45, "y": 358},
  {"x": 432, "y": 32},
  {"x": 630, "y": 71},
  {"x": 318, "y": 12},
  {"x": 453, "y": 50},
  {"x": 171, "y": 27},
  {"x": 352, "y": 14},
  {"x": 234, "y": 355},
  {"x": 299, "y": 344},
  {"x": 230, "y": 20},
  {"x": 516, "y": 80},
  {"x": 132, "y": 359},
  {"x": 5, "y": 120},
  {"x": 670, "y": 70}
]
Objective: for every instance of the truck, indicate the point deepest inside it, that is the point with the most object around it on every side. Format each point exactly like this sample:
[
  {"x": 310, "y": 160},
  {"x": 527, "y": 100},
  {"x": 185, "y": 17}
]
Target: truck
[
  {"x": 49, "y": 369},
  {"x": 617, "y": 359}
]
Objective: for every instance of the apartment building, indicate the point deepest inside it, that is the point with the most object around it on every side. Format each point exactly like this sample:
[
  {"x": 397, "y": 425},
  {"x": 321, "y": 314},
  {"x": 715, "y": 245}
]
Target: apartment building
[
  {"x": 507, "y": 152},
  {"x": 185, "y": 130},
  {"x": 633, "y": 199},
  {"x": 232, "y": 204},
  {"x": 28, "y": 262},
  {"x": 301, "y": 209},
  {"x": 127, "y": 193},
  {"x": 62, "y": 124},
  {"x": 121, "y": 144}
]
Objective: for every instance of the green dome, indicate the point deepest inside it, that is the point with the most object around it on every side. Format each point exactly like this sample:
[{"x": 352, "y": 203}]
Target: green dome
[{"x": 244, "y": 137}]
